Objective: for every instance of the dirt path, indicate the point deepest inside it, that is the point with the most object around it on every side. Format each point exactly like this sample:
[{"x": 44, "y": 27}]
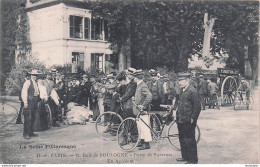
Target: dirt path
[{"x": 228, "y": 137}]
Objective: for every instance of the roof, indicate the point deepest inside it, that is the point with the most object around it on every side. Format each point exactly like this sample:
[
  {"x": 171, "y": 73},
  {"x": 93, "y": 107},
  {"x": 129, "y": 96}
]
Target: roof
[{"x": 46, "y": 3}]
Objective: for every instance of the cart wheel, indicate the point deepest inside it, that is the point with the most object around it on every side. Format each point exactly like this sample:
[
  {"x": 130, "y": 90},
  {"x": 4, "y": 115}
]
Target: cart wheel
[
  {"x": 228, "y": 90},
  {"x": 173, "y": 135},
  {"x": 128, "y": 135},
  {"x": 107, "y": 125}
]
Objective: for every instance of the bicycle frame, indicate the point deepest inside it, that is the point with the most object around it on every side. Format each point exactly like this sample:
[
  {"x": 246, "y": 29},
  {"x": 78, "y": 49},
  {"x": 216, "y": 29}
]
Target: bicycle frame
[{"x": 157, "y": 135}]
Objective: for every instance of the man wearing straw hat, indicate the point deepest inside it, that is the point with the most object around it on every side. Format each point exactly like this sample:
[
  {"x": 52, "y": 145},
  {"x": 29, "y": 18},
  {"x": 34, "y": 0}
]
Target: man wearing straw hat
[
  {"x": 143, "y": 98},
  {"x": 30, "y": 96}
]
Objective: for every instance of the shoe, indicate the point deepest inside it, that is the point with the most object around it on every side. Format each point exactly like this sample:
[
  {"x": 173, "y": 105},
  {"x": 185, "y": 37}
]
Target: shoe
[
  {"x": 107, "y": 130},
  {"x": 55, "y": 125},
  {"x": 191, "y": 162},
  {"x": 139, "y": 144},
  {"x": 113, "y": 133},
  {"x": 144, "y": 146},
  {"x": 27, "y": 137},
  {"x": 123, "y": 143},
  {"x": 181, "y": 159},
  {"x": 34, "y": 135}
]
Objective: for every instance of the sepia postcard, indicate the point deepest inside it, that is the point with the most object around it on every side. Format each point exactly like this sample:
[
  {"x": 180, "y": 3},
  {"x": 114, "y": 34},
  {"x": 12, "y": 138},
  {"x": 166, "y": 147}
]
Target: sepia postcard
[{"x": 91, "y": 57}]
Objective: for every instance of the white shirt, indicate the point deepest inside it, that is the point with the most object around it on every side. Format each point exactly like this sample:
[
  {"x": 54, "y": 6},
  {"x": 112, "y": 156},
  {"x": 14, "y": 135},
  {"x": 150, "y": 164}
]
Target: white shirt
[
  {"x": 165, "y": 87},
  {"x": 185, "y": 87},
  {"x": 24, "y": 93},
  {"x": 139, "y": 81}
]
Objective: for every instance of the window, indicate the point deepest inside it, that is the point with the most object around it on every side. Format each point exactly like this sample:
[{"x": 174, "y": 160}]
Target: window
[
  {"x": 111, "y": 63},
  {"x": 97, "y": 29},
  {"x": 97, "y": 61},
  {"x": 87, "y": 28},
  {"x": 106, "y": 29},
  {"x": 76, "y": 30},
  {"x": 77, "y": 61}
]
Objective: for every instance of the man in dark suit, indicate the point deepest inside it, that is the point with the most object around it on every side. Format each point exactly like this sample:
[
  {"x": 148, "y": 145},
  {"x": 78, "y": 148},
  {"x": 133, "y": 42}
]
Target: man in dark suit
[
  {"x": 143, "y": 98},
  {"x": 186, "y": 117},
  {"x": 202, "y": 90},
  {"x": 129, "y": 93}
]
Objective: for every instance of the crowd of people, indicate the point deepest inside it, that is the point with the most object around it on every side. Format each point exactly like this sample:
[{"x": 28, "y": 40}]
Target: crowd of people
[{"x": 185, "y": 93}]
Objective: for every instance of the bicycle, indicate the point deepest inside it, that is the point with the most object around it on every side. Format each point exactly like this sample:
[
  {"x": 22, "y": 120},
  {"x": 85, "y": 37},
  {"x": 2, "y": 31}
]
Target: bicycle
[
  {"x": 47, "y": 112},
  {"x": 241, "y": 100},
  {"x": 107, "y": 124},
  {"x": 128, "y": 134}
]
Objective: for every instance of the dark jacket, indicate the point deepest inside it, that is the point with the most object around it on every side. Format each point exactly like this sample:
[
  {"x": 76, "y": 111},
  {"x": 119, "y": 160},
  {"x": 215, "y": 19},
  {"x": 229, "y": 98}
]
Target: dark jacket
[
  {"x": 203, "y": 87},
  {"x": 189, "y": 105},
  {"x": 129, "y": 93},
  {"x": 142, "y": 97},
  {"x": 155, "y": 89},
  {"x": 107, "y": 99}
]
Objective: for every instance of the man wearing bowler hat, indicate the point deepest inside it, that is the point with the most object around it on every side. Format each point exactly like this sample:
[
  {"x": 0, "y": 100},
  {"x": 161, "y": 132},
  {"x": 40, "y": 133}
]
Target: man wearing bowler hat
[
  {"x": 187, "y": 114},
  {"x": 30, "y": 97}
]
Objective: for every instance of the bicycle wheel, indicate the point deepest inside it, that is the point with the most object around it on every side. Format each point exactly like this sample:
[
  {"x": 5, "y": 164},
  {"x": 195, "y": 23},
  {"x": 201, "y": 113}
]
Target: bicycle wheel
[
  {"x": 107, "y": 125},
  {"x": 48, "y": 115},
  {"x": 173, "y": 135},
  {"x": 156, "y": 125},
  {"x": 8, "y": 114},
  {"x": 128, "y": 134}
]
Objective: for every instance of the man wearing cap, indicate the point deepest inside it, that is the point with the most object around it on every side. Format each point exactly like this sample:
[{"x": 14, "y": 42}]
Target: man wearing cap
[
  {"x": 30, "y": 97},
  {"x": 83, "y": 91},
  {"x": 49, "y": 84},
  {"x": 167, "y": 90},
  {"x": 203, "y": 90},
  {"x": 143, "y": 99},
  {"x": 187, "y": 114},
  {"x": 129, "y": 93},
  {"x": 154, "y": 86},
  {"x": 245, "y": 86},
  {"x": 108, "y": 96},
  {"x": 213, "y": 91},
  {"x": 94, "y": 97}
]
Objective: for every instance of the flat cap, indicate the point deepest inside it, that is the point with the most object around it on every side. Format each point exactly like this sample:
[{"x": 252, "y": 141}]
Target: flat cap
[
  {"x": 183, "y": 75},
  {"x": 131, "y": 70},
  {"x": 165, "y": 76},
  {"x": 110, "y": 76},
  {"x": 138, "y": 72},
  {"x": 121, "y": 76}
]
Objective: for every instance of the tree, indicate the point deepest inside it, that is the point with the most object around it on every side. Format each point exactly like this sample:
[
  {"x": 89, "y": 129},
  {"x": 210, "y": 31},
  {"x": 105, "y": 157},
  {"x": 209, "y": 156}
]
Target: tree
[{"x": 15, "y": 42}]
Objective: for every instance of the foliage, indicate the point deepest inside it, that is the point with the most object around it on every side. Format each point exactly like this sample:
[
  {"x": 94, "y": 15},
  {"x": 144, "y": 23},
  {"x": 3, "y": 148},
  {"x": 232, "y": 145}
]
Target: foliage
[
  {"x": 16, "y": 77},
  {"x": 169, "y": 32},
  {"x": 15, "y": 42}
]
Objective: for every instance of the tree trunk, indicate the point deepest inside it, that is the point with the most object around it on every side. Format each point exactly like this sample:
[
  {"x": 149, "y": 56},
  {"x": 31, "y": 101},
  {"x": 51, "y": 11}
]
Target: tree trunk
[{"x": 208, "y": 25}]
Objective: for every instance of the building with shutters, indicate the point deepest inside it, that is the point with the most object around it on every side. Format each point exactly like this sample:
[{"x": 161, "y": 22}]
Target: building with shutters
[{"x": 63, "y": 33}]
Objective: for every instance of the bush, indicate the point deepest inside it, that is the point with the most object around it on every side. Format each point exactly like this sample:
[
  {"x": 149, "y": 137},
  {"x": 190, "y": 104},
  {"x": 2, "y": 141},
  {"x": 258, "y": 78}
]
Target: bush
[{"x": 16, "y": 78}]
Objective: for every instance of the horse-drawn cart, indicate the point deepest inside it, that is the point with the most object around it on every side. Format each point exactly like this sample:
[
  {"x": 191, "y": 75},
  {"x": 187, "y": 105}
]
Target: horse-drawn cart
[{"x": 227, "y": 81}]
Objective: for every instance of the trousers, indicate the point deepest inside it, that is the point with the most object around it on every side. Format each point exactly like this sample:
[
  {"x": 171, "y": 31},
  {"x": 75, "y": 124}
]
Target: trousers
[
  {"x": 187, "y": 141},
  {"x": 29, "y": 117},
  {"x": 144, "y": 131}
]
